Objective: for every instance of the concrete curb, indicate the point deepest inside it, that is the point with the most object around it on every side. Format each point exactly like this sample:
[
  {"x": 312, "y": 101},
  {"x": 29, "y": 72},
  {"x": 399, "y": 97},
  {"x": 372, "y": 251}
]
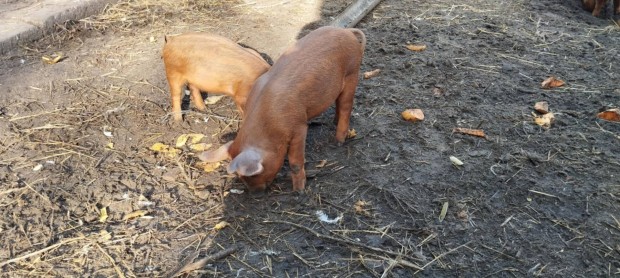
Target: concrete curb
[{"x": 32, "y": 22}]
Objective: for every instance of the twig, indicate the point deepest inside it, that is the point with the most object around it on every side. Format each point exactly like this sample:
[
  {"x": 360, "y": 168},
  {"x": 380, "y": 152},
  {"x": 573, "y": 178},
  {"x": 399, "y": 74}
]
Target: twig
[
  {"x": 116, "y": 268},
  {"x": 193, "y": 217},
  {"x": 322, "y": 236},
  {"x": 189, "y": 181},
  {"x": 441, "y": 256},
  {"x": 66, "y": 241},
  {"x": 543, "y": 193},
  {"x": 191, "y": 266}
]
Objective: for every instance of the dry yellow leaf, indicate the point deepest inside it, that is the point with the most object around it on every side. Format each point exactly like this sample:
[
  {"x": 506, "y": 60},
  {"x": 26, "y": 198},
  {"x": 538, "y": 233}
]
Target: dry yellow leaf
[
  {"x": 159, "y": 147},
  {"x": 545, "y": 121},
  {"x": 213, "y": 99},
  {"x": 110, "y": 146},
  {"x": 181, "y": 140},
  {"x": 192, "y": 137},
  {"x": 200, "y": 147},
  {"x": 444, "y": 211},
  {"x": 221, "y": 225},
  {"x": 321, "y": 163},
  {"x": 103, "y": 214},
  {"x": 416, "y": 47},
  {"x": 195, "y": 137},
  {"x": 53, "y": 59},
  {"x": 208, "y": 167},
  {"x": 135, "y": 214},
  {"x": 351, "y": 134},
  {"x": 371, "y": 74},
  {"x": 104, "y": 236},
  {"x": 360, "y": 207},
  {"x": 551, "y": 82},
  {"x": 163, "y": 148}
]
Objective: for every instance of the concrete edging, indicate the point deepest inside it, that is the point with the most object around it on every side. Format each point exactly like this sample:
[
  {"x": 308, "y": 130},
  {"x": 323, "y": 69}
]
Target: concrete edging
[{"x": 31, "y": 23}]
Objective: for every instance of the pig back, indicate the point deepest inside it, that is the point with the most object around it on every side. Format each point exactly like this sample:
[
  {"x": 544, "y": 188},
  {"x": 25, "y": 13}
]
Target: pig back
[
  {"x": 310, "y": 75},
  {"x": 201, "y": 53}
]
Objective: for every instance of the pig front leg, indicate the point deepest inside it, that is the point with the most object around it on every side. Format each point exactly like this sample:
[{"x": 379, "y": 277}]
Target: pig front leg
[
  {"x": 598, "y": 7},
  {"x": 617, "y": 6},
  {"x": 344, "y": 107},
  {"x": 296, "y": 157}
]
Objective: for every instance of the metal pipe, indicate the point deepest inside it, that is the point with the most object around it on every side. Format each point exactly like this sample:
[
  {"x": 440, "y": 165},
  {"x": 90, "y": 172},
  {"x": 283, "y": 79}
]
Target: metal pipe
[{"x": 354, "y": 13}]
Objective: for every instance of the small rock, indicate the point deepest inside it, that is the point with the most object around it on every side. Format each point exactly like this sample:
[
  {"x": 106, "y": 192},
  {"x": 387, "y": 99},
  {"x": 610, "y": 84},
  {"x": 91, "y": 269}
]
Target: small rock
[{"x": 542, "y": 107}]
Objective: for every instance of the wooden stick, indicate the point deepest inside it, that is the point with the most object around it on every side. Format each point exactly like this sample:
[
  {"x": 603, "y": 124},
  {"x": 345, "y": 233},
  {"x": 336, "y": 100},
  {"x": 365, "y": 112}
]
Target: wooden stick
[{"x": 66, "y": 241}]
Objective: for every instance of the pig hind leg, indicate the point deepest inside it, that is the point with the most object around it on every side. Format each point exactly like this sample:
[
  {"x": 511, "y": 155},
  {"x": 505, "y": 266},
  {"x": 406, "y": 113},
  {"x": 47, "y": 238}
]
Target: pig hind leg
[
  {"x": 196, "y": 97},
  {"x": 617, "y": 6},
  {"x": 296, "y": 157},
  {"x": 344, "y": 106}
]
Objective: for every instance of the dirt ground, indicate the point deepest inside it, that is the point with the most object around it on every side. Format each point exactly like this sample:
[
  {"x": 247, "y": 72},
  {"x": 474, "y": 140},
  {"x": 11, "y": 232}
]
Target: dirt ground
[{"x": 527, "y": 201}]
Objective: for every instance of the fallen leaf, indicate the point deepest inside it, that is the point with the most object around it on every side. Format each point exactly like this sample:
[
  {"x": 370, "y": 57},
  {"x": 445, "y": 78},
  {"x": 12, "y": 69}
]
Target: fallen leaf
[
  {"x": 103, "y": 214},
  {"x": 360, "y": 207},
  {"x": 165, "y": 149},
  {"x": 37, "y": 168},
  {"x": 181, "y": 140},
  {"x": 236, "y": 191},
  {"x": 545, "y": 121},
  {"x": 542, "y": 107},
  {"x": 324, "y": 218},
  {"x": 551, "y": 82},
  {"x": 104, "y": 236},
  {"x": 444, "y": 211},
  {"x": 52, "y": 59},
  {"x": 351, "y": 133},
  {"x": 221, "y": 225},
  {"x": 416, "y": 47},
  {"x": 371, "y": 74},
  {"x": 213, "y": 99},
  {"x": 135, "y": 214},
  {"x": 159, "y": 147},
  {"x": 200, "y": 147},
  {"x": 144, "y": 202},
  {"x": 469, "y": 131},
  {"x": 110, "y": 146},
  {"x": 463, "y": 215},
  {"x": 195, "y": 137},
  {"x": 413, "y": 115},
  {"x": 612, "y": 115},
  {"x": 208, "y": 167},
  {"x": 321, "y": 163},
  {"x": 456, "y": 161},
  {"x": 107, "y": 133},
  {"x": 437, "y": 92}
]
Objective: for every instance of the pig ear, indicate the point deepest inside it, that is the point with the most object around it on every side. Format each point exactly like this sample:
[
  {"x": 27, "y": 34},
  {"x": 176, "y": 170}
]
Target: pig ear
[
  {"x": 247, "y": 163},
  {"x": 217, "y": 155}
]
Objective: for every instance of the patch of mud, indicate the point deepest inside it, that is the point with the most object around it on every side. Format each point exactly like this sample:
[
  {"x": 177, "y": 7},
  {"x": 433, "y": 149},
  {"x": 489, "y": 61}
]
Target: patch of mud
[{"x": 527, "y": 201}]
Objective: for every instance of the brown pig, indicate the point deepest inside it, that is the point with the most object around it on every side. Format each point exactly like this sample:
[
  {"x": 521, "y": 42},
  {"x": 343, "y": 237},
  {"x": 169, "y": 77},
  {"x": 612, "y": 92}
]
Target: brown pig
[
  {"x": 596, "y": 6},
  {"x": 318, "y": 70},
  {"x": 209, "y": 63}
]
